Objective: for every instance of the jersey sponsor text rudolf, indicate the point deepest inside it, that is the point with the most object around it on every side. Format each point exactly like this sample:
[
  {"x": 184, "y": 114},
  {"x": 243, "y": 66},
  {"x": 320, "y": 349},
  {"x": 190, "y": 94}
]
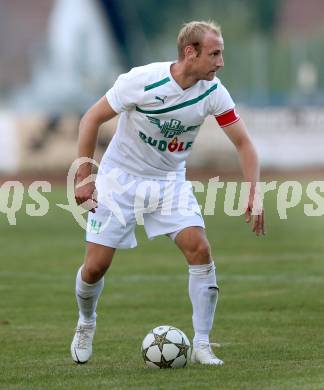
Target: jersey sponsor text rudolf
[{"x": 163, "y": 145}]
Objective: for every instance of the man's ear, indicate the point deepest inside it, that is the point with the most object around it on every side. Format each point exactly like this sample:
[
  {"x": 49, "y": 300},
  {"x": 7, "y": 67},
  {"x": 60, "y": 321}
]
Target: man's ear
[{"x": 190, "y": 52}]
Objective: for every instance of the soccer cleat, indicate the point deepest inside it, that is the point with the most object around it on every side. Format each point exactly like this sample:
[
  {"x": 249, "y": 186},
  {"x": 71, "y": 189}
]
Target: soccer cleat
[
  {"x": 203, "y": 354},
  {"x": 81, "y": 347}
]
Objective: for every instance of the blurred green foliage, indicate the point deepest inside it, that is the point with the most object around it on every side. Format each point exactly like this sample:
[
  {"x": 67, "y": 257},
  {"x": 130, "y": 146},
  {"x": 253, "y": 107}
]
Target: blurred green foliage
[
  {"x": 249, "y": 15},
  {"x": 261, "y": 67}
]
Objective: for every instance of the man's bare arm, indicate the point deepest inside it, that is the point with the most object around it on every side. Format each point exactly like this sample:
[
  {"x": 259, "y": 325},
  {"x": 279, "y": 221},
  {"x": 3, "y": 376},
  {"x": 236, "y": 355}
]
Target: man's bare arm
[
  {"x": 99, "y": 113},
  {"x": 238, "y": 134}
]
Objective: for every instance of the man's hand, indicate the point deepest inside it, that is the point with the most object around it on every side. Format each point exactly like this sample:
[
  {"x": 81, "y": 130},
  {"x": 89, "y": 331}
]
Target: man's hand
[
  {"x": 257, "y": 221},
  {"x": 85, "y": 195}
]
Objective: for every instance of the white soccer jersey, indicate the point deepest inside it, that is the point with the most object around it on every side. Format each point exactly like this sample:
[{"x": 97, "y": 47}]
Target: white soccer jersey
[{"x": 159, "y": 120}]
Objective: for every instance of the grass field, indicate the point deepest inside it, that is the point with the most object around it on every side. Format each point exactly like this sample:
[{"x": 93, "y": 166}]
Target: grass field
[{"x": 270, "y": 317}]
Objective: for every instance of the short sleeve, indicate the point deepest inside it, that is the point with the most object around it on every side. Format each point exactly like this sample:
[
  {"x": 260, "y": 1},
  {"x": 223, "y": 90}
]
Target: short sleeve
[
  {"x": 222, "y": 100},
  {"x": 223, "y": 107},
  {"x": 124, "y": 94}
]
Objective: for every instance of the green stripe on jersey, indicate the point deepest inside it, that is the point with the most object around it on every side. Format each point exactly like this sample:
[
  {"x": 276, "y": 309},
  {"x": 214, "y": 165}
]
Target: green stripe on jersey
[
  {"x": 157, "y": 84},
  {"x": 181, "y": 105}
]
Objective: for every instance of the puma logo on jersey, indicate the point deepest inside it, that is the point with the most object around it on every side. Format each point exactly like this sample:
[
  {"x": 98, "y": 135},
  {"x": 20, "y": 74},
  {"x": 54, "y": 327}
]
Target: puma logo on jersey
[{"x": 162, "y": 99}]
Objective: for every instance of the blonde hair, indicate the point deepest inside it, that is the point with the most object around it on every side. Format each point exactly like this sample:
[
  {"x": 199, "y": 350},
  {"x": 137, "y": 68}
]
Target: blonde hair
[{"x": 193, "y": 32}]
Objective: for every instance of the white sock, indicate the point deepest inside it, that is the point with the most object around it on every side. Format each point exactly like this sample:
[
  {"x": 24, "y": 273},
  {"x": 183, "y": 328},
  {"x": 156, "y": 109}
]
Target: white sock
[
  {"x": 203, "y": 292},
  {"x": 87, "y": 296}
]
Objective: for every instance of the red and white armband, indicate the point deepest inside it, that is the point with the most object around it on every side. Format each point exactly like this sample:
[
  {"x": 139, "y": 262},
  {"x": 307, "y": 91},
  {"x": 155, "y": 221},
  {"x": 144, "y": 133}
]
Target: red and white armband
[{"x": 227, "y": 118}]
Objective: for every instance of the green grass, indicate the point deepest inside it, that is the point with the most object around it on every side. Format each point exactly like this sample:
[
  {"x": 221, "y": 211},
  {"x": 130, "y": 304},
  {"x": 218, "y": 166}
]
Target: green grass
[{"x": 270, "y": 317}]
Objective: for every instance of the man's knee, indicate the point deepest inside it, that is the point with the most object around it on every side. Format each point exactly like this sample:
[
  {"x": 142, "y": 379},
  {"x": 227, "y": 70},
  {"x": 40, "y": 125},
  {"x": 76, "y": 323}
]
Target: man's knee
[
  {"x": 92, "y": 272},
  {"x": 194, "y": 244},
  {"x": 198, "y": 252},
  {"x": 202, "y": 250},
  {"x": 97, "y": 261}
]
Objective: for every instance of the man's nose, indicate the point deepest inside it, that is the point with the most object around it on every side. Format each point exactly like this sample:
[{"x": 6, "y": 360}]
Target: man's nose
[{"x": 220, "y": 61}]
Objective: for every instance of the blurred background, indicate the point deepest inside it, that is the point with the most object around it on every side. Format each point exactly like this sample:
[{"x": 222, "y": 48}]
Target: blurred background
[{"x": 59, "y": 56}]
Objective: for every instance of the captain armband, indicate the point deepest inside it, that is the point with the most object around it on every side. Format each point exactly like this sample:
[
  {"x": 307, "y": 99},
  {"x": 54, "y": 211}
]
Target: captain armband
[{"x": 227, "y": 118}]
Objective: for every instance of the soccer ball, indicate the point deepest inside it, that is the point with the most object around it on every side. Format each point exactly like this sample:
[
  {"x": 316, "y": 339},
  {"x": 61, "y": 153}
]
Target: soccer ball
[{"x": 166, "y": 347}]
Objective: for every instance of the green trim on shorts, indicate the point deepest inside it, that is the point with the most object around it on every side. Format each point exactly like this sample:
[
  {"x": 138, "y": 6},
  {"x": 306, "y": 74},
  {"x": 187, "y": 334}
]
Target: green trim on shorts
[
  {"x": 157, "y": 84},
  {"x": 181, "y": 105}
]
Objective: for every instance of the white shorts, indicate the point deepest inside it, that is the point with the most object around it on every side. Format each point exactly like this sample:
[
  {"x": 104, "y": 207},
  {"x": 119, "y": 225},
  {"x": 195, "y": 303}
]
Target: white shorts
[{"x": 163, "y": 207}]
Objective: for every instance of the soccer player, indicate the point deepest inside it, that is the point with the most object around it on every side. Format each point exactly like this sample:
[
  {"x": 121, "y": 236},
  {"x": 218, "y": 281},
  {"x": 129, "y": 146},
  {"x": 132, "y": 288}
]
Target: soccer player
[{"x": 161, "y": 107}]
